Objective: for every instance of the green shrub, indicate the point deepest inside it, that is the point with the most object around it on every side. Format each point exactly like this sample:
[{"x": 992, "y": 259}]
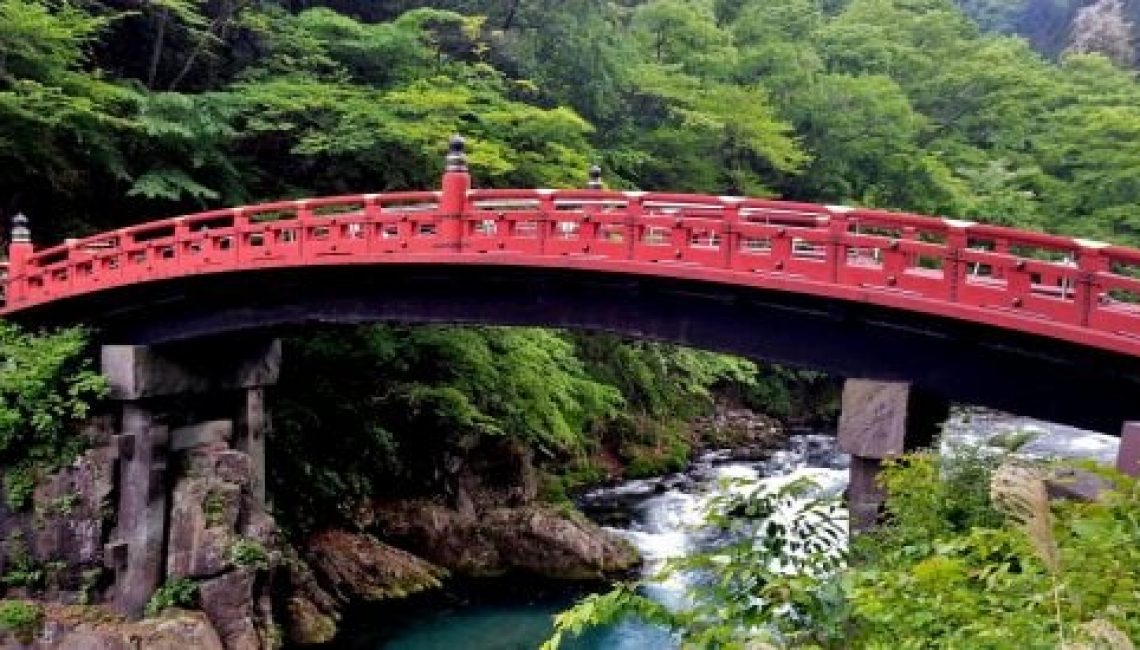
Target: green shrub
[
  {"x": 245, "y": 552},
  {"x": 947, "y": 570},
  {"x": 20, "y": 617},
  {"x": 180, "y": 592},
  {"x": 21, "y": 569},
  {"x": 47, "y": 387},
  {"x": 19, "y": 485},
  {"x": 552, "y": 489}
]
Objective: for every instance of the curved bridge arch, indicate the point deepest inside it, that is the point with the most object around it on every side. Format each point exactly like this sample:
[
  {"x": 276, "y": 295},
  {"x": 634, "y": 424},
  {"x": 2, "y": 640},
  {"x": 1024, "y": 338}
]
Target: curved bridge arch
[{"x": 1040, "y": 324}]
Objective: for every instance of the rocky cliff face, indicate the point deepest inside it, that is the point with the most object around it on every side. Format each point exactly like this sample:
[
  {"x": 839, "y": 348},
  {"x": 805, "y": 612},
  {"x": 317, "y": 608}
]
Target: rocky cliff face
[
  {"x": 56, "y": 548},
  {"x": 219, "y": 544},
  {"x": 490, "y": 526},
  {"x": 340, "y": 568}
]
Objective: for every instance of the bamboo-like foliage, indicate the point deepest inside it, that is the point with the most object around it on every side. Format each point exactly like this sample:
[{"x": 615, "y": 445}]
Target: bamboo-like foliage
[
  {"x": 1019, "y": 492},
  {"x": 1099, "y": 634}
]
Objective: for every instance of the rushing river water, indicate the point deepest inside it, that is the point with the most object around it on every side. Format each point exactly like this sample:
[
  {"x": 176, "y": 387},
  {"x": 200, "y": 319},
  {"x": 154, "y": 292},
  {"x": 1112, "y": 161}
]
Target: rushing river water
[{"x": 662, "y": 518}]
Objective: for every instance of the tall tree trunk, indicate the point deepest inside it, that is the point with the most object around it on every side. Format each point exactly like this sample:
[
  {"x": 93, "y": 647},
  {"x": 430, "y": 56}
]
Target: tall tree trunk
[
  {"x": 509, "y": 21},
  {"x": 156, "y": 53}
]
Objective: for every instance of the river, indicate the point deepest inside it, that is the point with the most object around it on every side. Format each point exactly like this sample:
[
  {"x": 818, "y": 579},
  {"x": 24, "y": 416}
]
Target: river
[{"x": 662, "y": 517}]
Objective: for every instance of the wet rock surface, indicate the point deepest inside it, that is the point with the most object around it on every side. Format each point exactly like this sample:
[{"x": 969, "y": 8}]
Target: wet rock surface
[
  {"x": 744, "y": 434},
  {"x": 536, "y": 539},
  {"x": 356, "y": 566}
]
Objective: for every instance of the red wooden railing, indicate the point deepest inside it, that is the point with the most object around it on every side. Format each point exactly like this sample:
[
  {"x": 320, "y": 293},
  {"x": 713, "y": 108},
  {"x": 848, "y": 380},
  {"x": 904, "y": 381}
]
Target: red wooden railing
[{"x": 1070, "y": 289}]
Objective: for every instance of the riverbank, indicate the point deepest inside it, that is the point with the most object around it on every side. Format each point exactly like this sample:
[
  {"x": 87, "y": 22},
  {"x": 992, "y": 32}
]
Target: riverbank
[{"x": 660, "y": 516}]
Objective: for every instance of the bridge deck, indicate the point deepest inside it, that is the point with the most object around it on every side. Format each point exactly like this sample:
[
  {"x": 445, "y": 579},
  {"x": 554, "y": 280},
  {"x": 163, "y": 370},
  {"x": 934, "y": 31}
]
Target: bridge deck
[{"x": 1068, "y": 289}]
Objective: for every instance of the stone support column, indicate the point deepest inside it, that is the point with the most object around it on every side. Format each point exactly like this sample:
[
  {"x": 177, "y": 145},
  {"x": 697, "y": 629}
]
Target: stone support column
[
  {"x": 252, "y": 430},
  {"x": 879, "y": 420},
  {"x": 136, "y": 552},
  {"x": 141, "y": 378},
  {"x": 1128, "y": 457}
]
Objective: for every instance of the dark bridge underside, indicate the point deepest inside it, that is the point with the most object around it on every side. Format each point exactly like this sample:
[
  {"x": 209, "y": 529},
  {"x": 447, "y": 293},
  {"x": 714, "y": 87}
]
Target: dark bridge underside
[{"x": 1029, "y": 375}]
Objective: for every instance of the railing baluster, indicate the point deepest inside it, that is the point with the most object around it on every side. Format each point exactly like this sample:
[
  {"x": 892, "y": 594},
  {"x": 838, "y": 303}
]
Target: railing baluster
[{"x": 1090, "y": 261}]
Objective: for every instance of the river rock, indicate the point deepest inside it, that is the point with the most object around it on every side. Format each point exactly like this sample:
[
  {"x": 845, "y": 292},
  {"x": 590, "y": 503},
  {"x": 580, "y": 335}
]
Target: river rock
[
  {"x": 186, "y": 630},
  {"x": 311, "y": 613},
  {"x": 1072, "y": 484},
  {"x": 554, "y": 544},
  {"x": 91, "y": 628},
  {"x": 536, "y": 539},
  {"x": 228, "y": 603},
  {"x": 749, "y": 434},
  {"x": 358, "y": 567}
]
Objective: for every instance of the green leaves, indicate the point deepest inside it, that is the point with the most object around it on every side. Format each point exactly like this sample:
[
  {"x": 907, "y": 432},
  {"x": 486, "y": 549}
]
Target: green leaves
[
  {"x": 43, "y": 42},
  {"x": 46, "y": 388},
  {"x": 770, "y": 582}
]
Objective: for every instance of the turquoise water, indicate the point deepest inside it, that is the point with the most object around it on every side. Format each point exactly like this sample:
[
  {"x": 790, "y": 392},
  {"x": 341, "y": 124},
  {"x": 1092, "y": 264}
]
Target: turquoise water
[{"x": 515, "y": 627}]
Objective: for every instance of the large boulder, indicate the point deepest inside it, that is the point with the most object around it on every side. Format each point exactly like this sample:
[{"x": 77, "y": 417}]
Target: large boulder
[
  {"x": 91, "y": 628},
  {"x": 450, "y": 538},
  {"x": 358, "y": 567},
  {"x": 228, "y": 601},
  {"x": 554, "y": 544},
  {"x": 535, "y": 539}
]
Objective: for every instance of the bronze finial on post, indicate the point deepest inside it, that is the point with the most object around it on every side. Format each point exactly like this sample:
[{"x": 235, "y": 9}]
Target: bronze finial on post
[
  {"x": 457, "y": 154},
  {"x": 595, "y": 182},
  {"x": 19, "y": 246}
]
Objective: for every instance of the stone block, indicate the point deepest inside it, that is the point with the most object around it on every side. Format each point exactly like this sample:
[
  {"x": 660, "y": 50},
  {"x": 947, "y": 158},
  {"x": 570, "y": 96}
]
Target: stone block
[
  {"x": 881, "y": 419},
  {"x": 235, "y": 467},
  {"x": 1076, "y": 485},
  {"x": 137, "y": 372},
  {"x": 872, "y": 423},
  {"x": 1128, "y": 456},
  {"x": 202, "y": 434}
]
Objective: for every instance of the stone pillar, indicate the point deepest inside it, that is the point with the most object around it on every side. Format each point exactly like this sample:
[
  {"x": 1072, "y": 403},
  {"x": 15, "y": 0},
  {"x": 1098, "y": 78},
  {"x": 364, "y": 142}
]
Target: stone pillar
[
  {"x": 252, "y": 430},
  {"x": 1128, "y": 457},
  {"x": 141, "y": 378},
  {"x": 881, "y": 419},
  {"x": 136, "y": 551}
]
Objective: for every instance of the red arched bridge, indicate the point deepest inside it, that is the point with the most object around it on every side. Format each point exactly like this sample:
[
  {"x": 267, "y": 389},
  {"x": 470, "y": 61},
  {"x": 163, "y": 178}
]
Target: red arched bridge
[{"x": 1043, "y": 324}]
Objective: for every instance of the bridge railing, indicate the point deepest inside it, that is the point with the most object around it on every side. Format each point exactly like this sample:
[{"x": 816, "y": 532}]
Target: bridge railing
[{"x": 895, "y": 259}]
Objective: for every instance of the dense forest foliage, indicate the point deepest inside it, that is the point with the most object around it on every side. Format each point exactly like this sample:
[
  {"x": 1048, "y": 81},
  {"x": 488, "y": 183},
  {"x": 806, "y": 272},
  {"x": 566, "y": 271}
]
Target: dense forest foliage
[
  {"x": 112, "y": 111},
  {"x": 407, "y": 404}
]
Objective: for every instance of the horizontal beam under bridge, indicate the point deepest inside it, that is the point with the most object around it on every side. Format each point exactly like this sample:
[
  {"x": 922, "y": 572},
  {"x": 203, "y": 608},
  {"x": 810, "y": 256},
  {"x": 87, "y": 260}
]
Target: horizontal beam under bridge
[{"x": 965, "y": 361}]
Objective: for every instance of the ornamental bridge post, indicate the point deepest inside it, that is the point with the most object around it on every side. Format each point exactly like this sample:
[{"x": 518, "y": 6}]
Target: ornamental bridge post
[{"x": 453, "y": 195}]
